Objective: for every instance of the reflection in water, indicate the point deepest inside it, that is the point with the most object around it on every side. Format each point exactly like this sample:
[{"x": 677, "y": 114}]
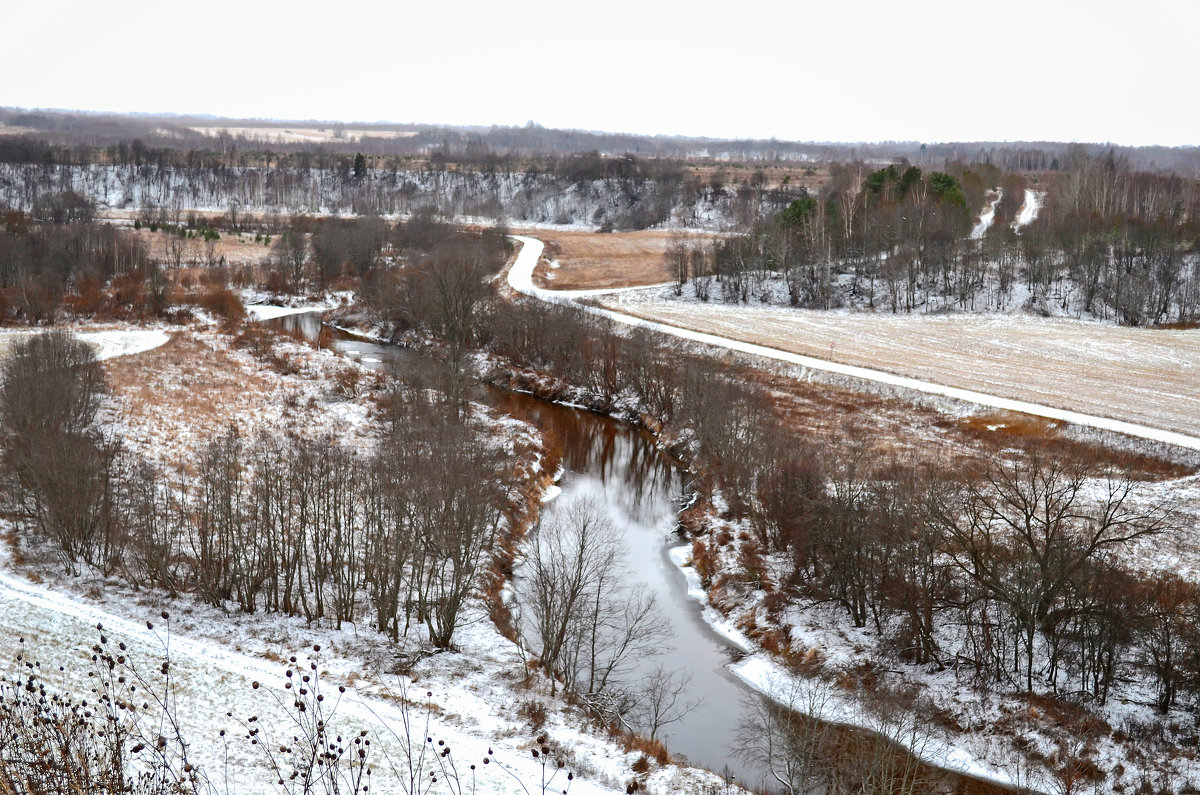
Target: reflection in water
[
  {"x": 308, "y": 326},
  {"x": 621, "y": 469}
]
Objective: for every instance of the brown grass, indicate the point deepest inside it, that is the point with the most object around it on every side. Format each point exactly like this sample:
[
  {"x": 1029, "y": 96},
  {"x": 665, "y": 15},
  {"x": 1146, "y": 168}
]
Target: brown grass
[
  {"x": 187, "y": 392},
  {"x": 789, "y": 175},
  {"x": 237, "y": 250},
  {"x": 654, "y": 749},
  {"x": 590, "y": 260},
  {"x": 827, "y": 414}
]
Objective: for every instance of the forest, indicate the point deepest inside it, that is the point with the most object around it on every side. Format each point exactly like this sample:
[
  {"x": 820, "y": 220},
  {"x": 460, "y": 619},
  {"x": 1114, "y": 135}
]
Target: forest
[{"x": 1109, "y": 243}]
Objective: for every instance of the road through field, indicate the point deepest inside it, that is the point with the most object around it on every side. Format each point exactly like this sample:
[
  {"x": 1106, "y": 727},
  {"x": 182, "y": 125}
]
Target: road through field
[{"x": 1182, "y": 432}]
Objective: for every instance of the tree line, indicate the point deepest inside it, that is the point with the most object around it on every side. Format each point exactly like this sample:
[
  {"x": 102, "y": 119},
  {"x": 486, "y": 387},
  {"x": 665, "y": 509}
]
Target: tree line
[
  {"x": 624, "y": 192},
  {"x": 300, "y": 526},
  {"x": 84, "y": 269},
  {"x": 1108, "y": 242}
]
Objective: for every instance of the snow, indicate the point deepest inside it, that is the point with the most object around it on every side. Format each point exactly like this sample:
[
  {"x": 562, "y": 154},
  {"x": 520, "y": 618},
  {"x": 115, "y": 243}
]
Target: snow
[
  {"x": 110, "y": 344},
  {"x": 1029, "y": 210},
  {"x": 520, "y": 278},
  {"x": 988, "y": 217},
  {"x": 270, "y": 312}
]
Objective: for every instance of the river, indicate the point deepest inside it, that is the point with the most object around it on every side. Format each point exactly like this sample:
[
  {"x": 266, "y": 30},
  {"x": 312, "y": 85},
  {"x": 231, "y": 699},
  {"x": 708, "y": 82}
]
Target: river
[{"x": 620, "y": 467}]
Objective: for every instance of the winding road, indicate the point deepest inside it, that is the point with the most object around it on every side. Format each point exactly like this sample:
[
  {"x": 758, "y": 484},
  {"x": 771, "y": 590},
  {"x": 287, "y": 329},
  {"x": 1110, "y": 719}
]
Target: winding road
[{"x": 520, "y": 278}]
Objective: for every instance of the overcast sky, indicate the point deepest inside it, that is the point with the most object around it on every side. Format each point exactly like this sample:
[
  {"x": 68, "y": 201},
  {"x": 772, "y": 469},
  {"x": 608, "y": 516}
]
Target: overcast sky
[{"x": 813, "y": 71}]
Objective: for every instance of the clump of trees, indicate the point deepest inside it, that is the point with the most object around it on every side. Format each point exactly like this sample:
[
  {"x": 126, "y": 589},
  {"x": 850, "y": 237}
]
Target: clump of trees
[
  {"x": 1108, "y": 241},
  {"x": 299, "y": 526},
  {"x": 58, "y": 464},
  {"x": 894, "y": 227},
  {"x": 1117, "y": 242},
  {"x": 75, "y": 266}
]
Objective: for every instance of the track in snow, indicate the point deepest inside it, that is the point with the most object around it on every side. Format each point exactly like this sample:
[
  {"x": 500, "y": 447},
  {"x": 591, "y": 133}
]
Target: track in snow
[
  {"x": 988, "y": 217},
  {"x": 1029, "y": 210}
]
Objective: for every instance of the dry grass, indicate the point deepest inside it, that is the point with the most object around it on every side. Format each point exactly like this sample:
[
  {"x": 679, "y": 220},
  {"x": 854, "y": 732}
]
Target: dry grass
[
  {"x": 827, "y": 414},
  {"x": 776, "y": 175},
  {"x": 236, "y": 249},
  {"x": 588, "y": 260},
  {"x": 186, "y": 391},
  {"x": 172, "y": 401}
]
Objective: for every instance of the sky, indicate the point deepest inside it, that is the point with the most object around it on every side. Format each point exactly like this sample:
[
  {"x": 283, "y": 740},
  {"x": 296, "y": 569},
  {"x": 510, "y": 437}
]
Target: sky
[{"x": 855, "y": 70}]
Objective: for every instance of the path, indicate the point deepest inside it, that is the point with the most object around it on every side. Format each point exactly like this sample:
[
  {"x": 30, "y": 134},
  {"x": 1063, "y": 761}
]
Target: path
[{"x": 520, "y": 278}]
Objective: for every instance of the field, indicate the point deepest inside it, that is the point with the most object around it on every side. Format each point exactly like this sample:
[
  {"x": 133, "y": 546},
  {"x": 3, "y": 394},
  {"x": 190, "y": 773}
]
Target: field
[
  {"x": 583, "y": 260},
  {"x": 234, "y": 249},
  {"x": 1151, "y": 377}
]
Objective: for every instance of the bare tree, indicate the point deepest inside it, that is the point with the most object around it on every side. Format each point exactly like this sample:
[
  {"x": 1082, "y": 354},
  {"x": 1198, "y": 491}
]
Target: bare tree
[
  {"x": 660, "y": 700},
  {"x": 60, "y": 468},
  {"x": 585, "y": 626},
  {"x": 291, "y": 253},
  {"x": 677, "y": 258},
  {"x": 782, "y": 734},
  {"x": 1022, "y": 529}
]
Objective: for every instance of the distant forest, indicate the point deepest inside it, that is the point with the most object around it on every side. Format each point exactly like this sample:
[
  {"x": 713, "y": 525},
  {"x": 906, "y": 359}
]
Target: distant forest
[{"x": 62, "y": 137}]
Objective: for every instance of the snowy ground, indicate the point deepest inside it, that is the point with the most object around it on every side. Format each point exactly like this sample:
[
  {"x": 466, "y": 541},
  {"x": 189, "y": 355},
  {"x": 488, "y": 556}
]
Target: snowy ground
[
  {"x": 270, "y": 311},
  {"x": 168, "y": 402},
  {"x": 171, "y": 401},
  {"x": 479, "y": 694},
  {"x": 1029, "y": 210}
]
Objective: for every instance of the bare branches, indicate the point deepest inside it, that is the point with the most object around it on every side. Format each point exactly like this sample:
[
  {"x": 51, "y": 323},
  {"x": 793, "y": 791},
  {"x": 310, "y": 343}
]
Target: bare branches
[{"x": 586, "y": 625}]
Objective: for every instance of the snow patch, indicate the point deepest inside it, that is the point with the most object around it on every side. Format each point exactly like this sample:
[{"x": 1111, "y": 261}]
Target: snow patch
[
  {"x": 1029, "y": 210},
  {"x": 988, "y": 217},
  {"x": 110, "y": 344}
]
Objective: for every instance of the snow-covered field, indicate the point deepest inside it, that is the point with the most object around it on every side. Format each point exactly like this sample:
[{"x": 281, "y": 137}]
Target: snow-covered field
[
  {"x": 1139, "y": 382},
  {"x": 1140, "y": 376}
]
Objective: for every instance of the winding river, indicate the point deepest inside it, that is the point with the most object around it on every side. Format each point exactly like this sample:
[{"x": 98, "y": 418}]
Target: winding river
[
  {"x": 641, "y": 489},
  {"x": 620, "y": 467}
]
